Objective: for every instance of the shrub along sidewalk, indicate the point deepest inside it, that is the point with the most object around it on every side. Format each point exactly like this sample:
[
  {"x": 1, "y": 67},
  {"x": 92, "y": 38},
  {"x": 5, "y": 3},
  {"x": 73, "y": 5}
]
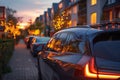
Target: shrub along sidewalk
[{"x": 6, "y": 50}]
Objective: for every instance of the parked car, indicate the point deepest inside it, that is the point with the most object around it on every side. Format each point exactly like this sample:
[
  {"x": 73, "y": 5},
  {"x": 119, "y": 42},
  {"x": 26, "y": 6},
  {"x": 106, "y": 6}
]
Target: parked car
[
  {"x": 37, "y": 44},
  {"x": 81, "y": 54},
  {"x": 29, "y": 41},
  {"x": 26, "y": 39}
]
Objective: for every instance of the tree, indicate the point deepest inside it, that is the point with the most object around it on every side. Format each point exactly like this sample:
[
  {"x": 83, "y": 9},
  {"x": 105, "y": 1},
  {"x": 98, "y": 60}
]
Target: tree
[
  {"x": 37, "y": 26},
  {"x": 11, "y": 22},
  {"x": 32, "y": 27},
  {"x": 10, "y": 16},
  {"x": 61, "y": 21}
]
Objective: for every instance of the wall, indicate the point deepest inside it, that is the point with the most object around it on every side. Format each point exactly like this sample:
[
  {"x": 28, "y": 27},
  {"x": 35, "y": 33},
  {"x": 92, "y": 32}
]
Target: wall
[{"x": 95, "y": 8}]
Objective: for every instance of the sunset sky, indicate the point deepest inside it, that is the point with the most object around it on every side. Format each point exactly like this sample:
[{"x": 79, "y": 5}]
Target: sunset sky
[{"x": 28, "y": 9}]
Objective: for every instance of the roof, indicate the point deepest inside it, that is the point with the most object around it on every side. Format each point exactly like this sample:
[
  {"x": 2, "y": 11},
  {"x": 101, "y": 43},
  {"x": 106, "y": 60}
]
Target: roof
[{"x": 39, "y": 37}]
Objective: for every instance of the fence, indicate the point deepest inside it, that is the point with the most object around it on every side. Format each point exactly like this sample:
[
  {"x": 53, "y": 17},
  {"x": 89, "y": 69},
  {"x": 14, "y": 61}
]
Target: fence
[{"x": 107, "y": 26}]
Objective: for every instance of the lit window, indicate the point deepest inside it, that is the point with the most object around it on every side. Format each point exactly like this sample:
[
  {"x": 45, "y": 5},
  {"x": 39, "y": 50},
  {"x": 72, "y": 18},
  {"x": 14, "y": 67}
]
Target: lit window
[
  {"x": 110, "y": 15},
  {"x": 47, "y": 14},
  {"x": 52, "y": 11},
  {"x": 93, "y": 18},
  {"x": 75, "y": 9},
  {"x": 74, "y": 0},
  {"x": 119, "y": 14},
  {"x": 93, "y": 2},
  {"x": 74, "y": 23},
  {"x": 60, "y": 5}
]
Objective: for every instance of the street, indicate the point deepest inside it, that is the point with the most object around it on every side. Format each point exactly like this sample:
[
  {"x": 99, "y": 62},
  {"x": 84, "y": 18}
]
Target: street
[
  {"x": 22, "y": 64},
  {"x": 59, "y": 39}
]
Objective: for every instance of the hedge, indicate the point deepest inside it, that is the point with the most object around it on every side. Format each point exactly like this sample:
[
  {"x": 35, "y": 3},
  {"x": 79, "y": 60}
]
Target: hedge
[{"x": 6, "y": 50}]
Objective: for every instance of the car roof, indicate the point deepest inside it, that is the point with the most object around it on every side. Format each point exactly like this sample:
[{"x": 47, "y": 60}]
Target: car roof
[
  {"x": 81, "y": 31},
  {"x": 30, "y": 36}
]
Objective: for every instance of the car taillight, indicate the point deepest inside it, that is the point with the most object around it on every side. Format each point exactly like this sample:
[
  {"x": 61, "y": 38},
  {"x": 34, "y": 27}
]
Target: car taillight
[{"x": 91, "y": 72}]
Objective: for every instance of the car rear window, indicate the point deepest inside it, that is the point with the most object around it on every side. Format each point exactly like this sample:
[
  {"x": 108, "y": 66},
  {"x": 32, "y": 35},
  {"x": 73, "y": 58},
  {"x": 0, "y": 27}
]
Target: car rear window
[
  {"x": 107, "y": 45},
  {"x": 108, "y": 50},
  {"x": 107, "y": 36}
]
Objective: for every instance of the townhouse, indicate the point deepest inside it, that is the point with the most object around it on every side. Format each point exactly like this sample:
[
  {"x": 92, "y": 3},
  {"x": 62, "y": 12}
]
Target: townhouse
[
  {"x": 2, "y": 20},
  {"x": 84, "y": 12},
  {"x": 111, "y": 11},
  {"x": 94, "y": 11}
]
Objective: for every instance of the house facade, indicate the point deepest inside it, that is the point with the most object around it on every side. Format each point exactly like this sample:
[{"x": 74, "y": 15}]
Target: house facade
[
  {"x": 2, "y": 20},
  {"x": 41, "y": 18},
  {"x": 72, "y": 10},
  {"x": 111, "y": 11},
  {"x": 54, "y": 10},
  {"x": 82, "y": 12},
  {"x": 45, "y": 23},
  {"x": 94, "y": 11}
]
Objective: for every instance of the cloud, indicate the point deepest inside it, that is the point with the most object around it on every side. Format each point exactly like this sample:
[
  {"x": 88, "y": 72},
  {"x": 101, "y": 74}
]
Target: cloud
[
  {"x": 38, "y": 3},
  {"x": 29, "y": 14}
]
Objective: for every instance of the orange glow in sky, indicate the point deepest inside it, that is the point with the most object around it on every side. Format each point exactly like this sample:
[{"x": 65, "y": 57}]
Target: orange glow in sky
[{"x": 22, "y": 25}]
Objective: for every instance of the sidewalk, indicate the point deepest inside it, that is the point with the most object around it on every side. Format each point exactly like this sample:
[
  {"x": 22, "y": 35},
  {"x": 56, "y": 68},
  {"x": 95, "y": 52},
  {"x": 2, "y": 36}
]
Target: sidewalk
[{"x": 22, "y": 64}]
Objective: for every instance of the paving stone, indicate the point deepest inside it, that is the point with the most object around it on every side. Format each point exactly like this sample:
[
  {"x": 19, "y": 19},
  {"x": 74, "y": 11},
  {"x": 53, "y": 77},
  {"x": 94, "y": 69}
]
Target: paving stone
[{"x": 22, "y": 64}]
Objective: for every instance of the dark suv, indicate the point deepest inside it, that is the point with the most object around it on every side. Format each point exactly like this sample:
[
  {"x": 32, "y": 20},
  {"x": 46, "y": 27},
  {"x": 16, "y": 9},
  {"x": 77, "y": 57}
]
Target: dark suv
[{"x": 81, "y": 54}]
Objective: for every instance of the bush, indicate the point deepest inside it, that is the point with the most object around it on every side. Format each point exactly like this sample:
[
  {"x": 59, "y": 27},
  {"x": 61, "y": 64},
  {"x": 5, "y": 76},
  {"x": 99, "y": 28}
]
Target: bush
[{"x": 6, "y": 50}]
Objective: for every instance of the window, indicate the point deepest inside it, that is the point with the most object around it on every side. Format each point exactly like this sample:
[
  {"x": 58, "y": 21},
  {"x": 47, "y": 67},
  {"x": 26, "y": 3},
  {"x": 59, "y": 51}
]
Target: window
[
  {"x": 71, "y": 47},
  {"x": 60, "y": 5},
  {"x": 74, "y": 22},
  {"x": 62, "y": 37},
  {"x": 72, "y": 44},
  {"x": 2, "y": 12},
  {"x": 93, "y": 2},
  {"x": 74, "y": 0},
  {"x": 75, "y": 10},
  {"x": 50, "y": 45},
  {"x": 111, "y": 1},
  {"x": 93, "y": 18},
  {"x": 119, "y": 14},
  {"x": 110, "y": 17},
  {"x": 54, "y": 45},
  {"x": 82, "y": 46},
  {"x": 58, "y": 46},
  {"x": 33, "y": 40},
  {"x": 57, "y": 41},
  {"x": 52, "y": 11}
]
